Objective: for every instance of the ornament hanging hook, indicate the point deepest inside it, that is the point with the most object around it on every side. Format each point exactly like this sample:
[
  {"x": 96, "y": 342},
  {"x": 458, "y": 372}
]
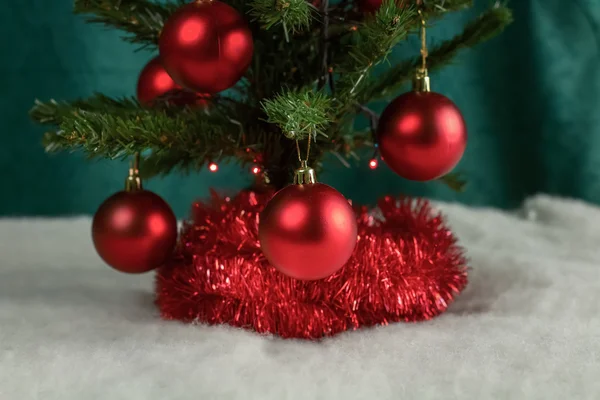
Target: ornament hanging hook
[
  {"x": 421, "y": 82},
  {"x": 310, "y": 135},
  {"x": 424, "y": 51},
  {"x": 305, "y": 174}
]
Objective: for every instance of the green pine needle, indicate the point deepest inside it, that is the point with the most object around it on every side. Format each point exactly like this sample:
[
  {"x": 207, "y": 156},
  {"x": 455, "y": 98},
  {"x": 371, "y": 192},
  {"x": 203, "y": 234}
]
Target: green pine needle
[
  {"x": 117, "y": 128},
  {"x": 293, "y": 15},
  {"x": 379, "y": 34},
  {"x": 374, "y": 40},
  {"x": 454, "y": 181},
  {"x": 141, "y": 19},
  {"x": 489, "y": 24},
  {"x": 300, "y": 113},
  {"x": 53, "y": 112}
]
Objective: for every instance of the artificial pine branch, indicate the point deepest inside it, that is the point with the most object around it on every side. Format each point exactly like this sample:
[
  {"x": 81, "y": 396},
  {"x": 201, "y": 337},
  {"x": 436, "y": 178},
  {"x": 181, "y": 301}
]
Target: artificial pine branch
[
  {"x": 182, "y": 139},
  {"x": 293, "y": 15},
  {"x": 487, "y": 25},
  {"x": 141, "y": 19},
  {"x": 375, "y": 39},
  {"x": 119, "y": 133},
  {"x": 435, "y": 7},
  {"x": 53, "y": 112},
  {"x": 167, "y": 160},
  {"x": 300, "y": 113}
]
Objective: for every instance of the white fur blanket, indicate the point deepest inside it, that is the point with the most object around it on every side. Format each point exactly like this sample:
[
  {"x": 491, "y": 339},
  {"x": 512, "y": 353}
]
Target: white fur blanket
[{"x": 527, "y": 327}]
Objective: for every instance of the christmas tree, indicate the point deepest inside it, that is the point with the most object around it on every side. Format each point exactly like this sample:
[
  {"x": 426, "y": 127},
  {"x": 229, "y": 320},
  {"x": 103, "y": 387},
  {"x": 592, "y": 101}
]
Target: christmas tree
[{"x": 277, "y": 85}]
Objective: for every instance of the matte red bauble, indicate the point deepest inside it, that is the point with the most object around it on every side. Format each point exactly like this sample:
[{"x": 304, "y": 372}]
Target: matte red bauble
[
  {"x": 206, "y": 46},
  {"x": 422, "y": 135},
  {"x": 308, "y": 231},
  {"x": 135, "y": 231}
]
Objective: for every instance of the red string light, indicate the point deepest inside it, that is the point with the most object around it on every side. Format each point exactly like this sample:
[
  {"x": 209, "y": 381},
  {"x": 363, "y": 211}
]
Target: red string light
[
  {"x": 373, "y": 163},
  {"x": 213, "y": 167},
  {"x": 255, "y": 169}
]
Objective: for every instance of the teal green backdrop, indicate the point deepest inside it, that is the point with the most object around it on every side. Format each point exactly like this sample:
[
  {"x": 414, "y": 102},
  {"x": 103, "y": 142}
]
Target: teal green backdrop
[{"x": 531, "y": 99}]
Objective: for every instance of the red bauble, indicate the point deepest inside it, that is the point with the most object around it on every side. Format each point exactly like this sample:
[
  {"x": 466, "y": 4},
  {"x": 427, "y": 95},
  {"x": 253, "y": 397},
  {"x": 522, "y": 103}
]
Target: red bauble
[
  {"x": 134, "y": 232},
  {"x": 206, "y": 46},
  {"x": 154, "y": 82},
  {"x": 308, "y": 231},
  {"x": 422, "y": 135}
]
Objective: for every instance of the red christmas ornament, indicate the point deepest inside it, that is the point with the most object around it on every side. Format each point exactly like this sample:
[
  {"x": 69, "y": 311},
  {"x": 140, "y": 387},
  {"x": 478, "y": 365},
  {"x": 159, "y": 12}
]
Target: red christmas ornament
[
  {"x": 154, "y": 82},
  {"x": 206, "y": 46},
  {"x": 134, "y": 231},
  {"x": 422, "y": 135},
  {"x": 308, "y": 231}
]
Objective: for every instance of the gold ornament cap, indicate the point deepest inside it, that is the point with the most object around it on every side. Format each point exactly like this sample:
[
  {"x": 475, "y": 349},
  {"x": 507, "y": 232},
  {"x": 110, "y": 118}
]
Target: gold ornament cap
[
  {"x": 134, "y": 181},
  {"x": 421, "y": 82},
  {"x": 304, "y": 175}
]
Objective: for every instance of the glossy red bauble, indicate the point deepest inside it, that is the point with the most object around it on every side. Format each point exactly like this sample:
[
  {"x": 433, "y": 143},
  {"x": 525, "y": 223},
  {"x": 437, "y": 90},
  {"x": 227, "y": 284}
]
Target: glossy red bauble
[
  {"x": 422, "y": 135},
  {"x": 206, "y": 46},
  {"x": 308, "y": 231},
  {"x": 154, "y": 82},
  {"x": 134, "y": 232}
]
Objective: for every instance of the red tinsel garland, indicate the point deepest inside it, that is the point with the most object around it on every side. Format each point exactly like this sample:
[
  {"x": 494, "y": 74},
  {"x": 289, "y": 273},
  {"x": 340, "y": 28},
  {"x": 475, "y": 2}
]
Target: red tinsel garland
[{"x": 406, "y": 267}]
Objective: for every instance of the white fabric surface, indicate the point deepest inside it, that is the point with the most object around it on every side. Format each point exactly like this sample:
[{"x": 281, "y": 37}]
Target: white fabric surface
[{"x": 527, "y": 327}]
